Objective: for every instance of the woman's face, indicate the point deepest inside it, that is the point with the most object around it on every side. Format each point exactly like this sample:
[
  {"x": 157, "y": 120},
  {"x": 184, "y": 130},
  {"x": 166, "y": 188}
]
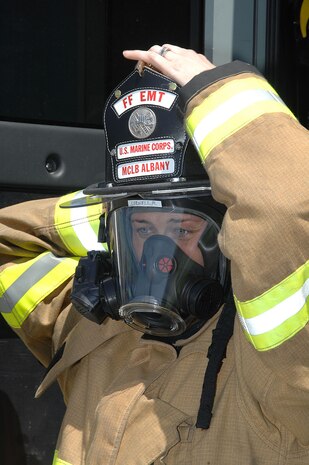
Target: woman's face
[{"x": 184, "y": 229}]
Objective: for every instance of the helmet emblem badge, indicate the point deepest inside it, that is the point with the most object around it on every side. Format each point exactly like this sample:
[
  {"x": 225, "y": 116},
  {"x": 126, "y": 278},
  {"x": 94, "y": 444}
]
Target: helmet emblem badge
[{"x": 142, "y": 122}]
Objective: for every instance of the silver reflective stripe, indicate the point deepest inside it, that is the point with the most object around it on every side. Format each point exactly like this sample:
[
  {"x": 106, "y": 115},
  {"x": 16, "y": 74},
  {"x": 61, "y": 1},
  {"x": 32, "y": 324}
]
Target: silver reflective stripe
[
  {"x": 28, "y": 279},
  {"x": 228, "y": 109}
]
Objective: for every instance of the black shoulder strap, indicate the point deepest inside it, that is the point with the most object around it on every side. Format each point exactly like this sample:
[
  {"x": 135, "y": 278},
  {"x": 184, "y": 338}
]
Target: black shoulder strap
[{"x": 216, "y": 353}]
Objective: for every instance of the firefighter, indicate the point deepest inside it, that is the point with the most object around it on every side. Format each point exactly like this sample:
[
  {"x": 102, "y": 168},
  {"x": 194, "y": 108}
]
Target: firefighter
[{"x": 152, "y": 365}]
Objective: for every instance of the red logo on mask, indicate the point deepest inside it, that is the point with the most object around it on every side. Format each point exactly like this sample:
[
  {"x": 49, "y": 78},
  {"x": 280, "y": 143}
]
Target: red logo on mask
[{"x": 165, "y": 264}]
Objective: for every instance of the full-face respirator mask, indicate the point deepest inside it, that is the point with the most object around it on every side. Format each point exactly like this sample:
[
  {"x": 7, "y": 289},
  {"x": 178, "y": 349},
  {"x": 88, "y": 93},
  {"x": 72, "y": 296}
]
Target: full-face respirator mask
[{"x": 163, "y": 272}]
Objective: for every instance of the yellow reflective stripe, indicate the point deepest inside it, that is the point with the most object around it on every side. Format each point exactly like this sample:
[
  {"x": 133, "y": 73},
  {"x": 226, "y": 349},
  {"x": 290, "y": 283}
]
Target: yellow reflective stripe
[
  {"x": 78, "y": 227},
  {"x": 229, "y": 109},
  {"x": 58, "y": 461},
  {"x": 239, "y": 121},
  {"x": 87, "y": 231},
  {"x": 279, "y": 313},
  {"x": 15, "y": 285},
  {"x": 23, "y": 288},
  {"x": 227, "y": 91},
  {"x": 304, "y": 17},
  {"x": 12, "y": 273}
]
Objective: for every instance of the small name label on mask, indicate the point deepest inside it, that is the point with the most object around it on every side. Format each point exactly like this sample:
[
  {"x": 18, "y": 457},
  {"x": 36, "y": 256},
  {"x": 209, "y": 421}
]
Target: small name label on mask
[
  {"x": 144, "y": 203},
  {"x": 146, "y": 168}
]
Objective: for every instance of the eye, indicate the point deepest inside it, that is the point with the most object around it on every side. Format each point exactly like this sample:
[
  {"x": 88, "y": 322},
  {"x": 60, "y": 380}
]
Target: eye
[
  {"x": 144, "y": 231},
  {"x": 181, "y": 233}
]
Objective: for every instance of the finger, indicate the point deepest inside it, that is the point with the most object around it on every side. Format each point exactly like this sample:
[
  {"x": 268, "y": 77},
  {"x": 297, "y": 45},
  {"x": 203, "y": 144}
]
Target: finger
[
  {"x": 151, "y": 56},
  {"x": 155, "y": 48},
  {"x": 143, "y": 54},
  {"x": 131, "y": 54},
  {"x": 175, "y": 48},
  {"x": 171, "y": 64}
]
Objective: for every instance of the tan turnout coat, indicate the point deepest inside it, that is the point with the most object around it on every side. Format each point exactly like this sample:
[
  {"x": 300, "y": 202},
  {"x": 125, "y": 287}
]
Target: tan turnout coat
[{"x": 132, "y": 401}]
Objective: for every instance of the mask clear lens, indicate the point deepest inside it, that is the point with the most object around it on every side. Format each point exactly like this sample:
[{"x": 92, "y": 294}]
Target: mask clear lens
[{"x": 156, "y": 252}]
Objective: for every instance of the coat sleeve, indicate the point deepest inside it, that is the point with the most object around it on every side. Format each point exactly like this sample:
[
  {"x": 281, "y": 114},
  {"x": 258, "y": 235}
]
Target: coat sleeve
[
  {"x": 40, "y": 246},
  {"x": 256, "y": 155}
]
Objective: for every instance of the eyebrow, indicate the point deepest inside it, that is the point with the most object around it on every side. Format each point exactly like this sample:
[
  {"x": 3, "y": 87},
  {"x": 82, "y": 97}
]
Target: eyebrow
[
  {"x": 141, "y": 221},
  {"x": 150, "y": 222},
  {"x": 171, "y": 220}
]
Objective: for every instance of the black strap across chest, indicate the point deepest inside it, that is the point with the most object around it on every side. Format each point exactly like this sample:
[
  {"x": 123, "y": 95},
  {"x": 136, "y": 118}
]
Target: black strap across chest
[{"x": 216, "y": 353}]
